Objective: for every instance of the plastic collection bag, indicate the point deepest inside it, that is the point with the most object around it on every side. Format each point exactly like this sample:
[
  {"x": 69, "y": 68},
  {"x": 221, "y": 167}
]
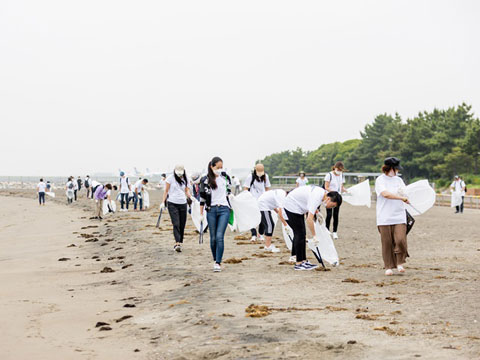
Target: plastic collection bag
[
  {"x": 50, "y": 193},
  {"x": 323, "y": 245},
  {"x": 456, "y": 199},
  {"x": 359, "y": 195},
  {"x": 288, "y": 237},
  {"x": 107, "y": 206},
  {"x": 146, "y": 199},
  {"x": 246, "y": 211},
  {"x": 69, "y": 193},
  {"x": 421, "y": 196},
  {"x": 196, "y": 217}
]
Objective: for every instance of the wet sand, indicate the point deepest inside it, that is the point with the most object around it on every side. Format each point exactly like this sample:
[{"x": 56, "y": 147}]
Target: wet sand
[{"x": 180, "y": 309}]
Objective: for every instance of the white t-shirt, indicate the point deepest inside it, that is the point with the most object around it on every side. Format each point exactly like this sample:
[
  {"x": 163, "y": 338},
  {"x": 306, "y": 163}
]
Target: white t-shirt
[
  {"x": 124, "y": 182},
  {"x": 302, "y": 182},
  {"x": 70, "y": 185},
  {"x": 41, "y": 186},
  {"x": 219, "y": 195},
  {"x": 138, "y": 186},
  {"x": 108, "y": 193},
  {"x": 94, "y": 183},
  {"x": 336, "y": 181},
  {"x": 272, "y": 200},
  {"x": 390, "y": 211},
  {"x": 258, "y": 187},
  {"x": 458, "y": 186},
  {"x": 176, "y": 193},
  {"x": 304, "y": 199}
]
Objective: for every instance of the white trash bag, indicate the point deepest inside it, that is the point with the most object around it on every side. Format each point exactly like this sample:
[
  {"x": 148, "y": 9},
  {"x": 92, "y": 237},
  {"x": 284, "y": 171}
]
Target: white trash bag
[
  {"x": 245, "y": 210},
  {"x": 322, "y": 245},
  {"x": 288, "y": 237},
  {"x": 456, "y": 199},
  {"x": 50, "y": 193},
  {"x": 146, "y": 199},
  {"x": 196, "y": 217},
  {"x": 107, "y": 206},
  {"x": 421, "y": 196},
  {"x": 359, "y": 195}
]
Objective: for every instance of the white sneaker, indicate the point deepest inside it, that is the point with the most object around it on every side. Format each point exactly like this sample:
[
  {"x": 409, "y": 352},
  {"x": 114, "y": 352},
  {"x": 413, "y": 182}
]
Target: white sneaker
[
  {"x": 400, "y": 269},
  {"x": 335, "y": 236},
  {"x": 389, "y": 272},
  {"x": 292, "y": 259},
  {"x": 217, "y": 267},
  {"x": 262, "y": 238},
  {"x": 271, "y": 248},
  {"x": 253, "y": 238}
]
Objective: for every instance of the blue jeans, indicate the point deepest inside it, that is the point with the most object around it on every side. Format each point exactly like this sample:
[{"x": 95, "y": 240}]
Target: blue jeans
[
  {"x": 218, "y": 217},
  {"x": 137, "y": 198},
  {"x": 41, "y": 197},
  {"x": 124, "y": 200}
]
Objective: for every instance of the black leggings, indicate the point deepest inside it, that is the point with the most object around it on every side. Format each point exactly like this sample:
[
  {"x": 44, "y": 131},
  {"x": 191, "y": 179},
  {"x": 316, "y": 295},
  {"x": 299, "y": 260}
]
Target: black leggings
[
  {"x": 297, "y": 223},
  {"x": 178, "y": 215},
  {"x": 335, "y": 212}
]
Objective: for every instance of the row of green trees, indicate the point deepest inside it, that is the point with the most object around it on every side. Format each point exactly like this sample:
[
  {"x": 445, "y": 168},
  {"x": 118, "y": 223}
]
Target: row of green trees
[{"x": 431, "y": 145}]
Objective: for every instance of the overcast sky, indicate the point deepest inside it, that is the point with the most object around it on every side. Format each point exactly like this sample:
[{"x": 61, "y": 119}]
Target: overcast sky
[{"x": 90, "y": 86}]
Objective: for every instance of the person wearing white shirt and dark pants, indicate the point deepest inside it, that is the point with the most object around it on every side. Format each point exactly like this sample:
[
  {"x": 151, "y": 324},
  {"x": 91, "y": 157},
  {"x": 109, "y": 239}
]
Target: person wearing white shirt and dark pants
[
  {"x": 138, "y": 198},
  {"x": 41, "y": 192},
  {"x": 257, "y": 183},
  {"x": 300, "y": 201},
  {"x": 334, "y": 181},
  {"x": 271, "y": 201},
  {"x": 214, "y": 191},
  {"x": 125, "y": 189},
  {"x": 302, "y": 180},
  {"x": 175, "y": 196},
  {"x": 458, "y": 185},
  {"x": 391, "y": 216}
]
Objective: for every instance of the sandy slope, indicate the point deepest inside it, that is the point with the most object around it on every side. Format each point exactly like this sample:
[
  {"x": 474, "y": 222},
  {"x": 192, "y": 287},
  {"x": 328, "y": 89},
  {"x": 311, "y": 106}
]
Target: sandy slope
[{"x": 185, "y": 311}]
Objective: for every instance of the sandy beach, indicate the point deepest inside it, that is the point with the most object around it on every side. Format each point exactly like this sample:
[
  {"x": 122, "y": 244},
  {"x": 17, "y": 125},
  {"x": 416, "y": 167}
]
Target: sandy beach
[{"x": 75, "y": 288}]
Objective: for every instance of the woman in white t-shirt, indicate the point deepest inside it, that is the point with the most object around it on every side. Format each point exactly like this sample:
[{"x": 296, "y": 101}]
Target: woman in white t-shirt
[
  {"x": 175, "y": 199},
  {"x": 391, "y": 216},
  {"x": 302, "y": 180},
  {"x": 257, "y": 183},
  {"x": 214, "y": 191},
  {"x": 41, "y": 187},
  {"x": 334, "y": 181}
]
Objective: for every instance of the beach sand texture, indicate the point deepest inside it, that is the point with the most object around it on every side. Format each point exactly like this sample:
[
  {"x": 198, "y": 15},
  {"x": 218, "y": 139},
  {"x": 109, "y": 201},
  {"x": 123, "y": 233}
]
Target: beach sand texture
[{"x": 74, "y": 288}]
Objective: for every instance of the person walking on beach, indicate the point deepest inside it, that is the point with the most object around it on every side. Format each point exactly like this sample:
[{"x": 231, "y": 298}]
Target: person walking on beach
[
  {"x": 41, "y": 187},
  {"x": 88, "y": 185},
  {"x": 236, "y": 185},
  {"x": 458, "y": 186},
  {"x": 257, "y": 183},
  {"x": 271, "y": 201},
  {"x": 175, "y": 199},
  {"x": 79, "y": 183},
  {"x": 300, "y": 201},
  {"x": 125, "y": 189},
  {"x": 101, "y": 193},
  {"x": 196, "y": 186},
  {"x": 391, "y": 216},
  {"x": 302, "y": 180},
  {"x": 138, "y": 194},
  {"x": 75, "y": 188},
  {"x": 334, "y": 181},
  {"x": 214, "y": 191},
  {"x": 70, "y": 187}
]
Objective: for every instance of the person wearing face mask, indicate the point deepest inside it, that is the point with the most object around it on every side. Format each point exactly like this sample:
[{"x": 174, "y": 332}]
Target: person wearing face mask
[
  {"x": 391, "y": 216},
  {"x": 175, "y": 199},
  {"x": 125, "y": 189},
  {"x": 214, "y": 191},
  {"x": 306, "y": 200},
  {"x": 257, "y": 183},
  {"x": 334, "y": 181},
  {"x": 196, "y": 186},
  {"x": 302, "y": 180}
]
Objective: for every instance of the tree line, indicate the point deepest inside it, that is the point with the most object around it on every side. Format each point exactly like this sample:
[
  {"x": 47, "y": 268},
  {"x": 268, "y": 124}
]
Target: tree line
[{"x": 433, "y": 145}]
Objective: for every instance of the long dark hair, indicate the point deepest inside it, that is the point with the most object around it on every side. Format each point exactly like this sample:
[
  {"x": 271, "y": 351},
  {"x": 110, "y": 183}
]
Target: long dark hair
[
  {"x": 258, "y": 178},
  {"x": 181, "y": 180},
  {"x": 212, "y": 178}
]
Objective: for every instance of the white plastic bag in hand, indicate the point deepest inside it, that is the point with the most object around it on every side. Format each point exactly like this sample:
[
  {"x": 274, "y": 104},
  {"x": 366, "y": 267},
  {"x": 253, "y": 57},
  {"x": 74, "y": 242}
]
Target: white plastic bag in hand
[
  {"x": 456, "y": 199},
  {"x": 421, "y": 197},
  {"x": 359, "y": 195},
  {"x": 246, "y": 211},
  {"x": 287, "y": 236},
  {"x": 196, "y": 217},
  {"x": 323, "y": 243}
]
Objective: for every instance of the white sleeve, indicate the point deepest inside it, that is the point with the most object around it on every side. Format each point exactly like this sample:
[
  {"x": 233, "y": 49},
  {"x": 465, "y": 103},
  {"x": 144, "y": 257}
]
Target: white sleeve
[
  {"x": 314, "y": 201},
  {"x": 298, "y": 180},
  {"x": 267, "y": 181},
  {"x": 329, "y": 177},
  {"x": 343, "y": 179}
]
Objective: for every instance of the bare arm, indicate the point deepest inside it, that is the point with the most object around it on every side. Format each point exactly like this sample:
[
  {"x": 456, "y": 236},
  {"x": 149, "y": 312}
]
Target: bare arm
[
  {"x": 165, "y": 193},
  {"x": 391, "y": 196},
  {"x": 311, "y": 224},
  {"x": 327, "y": 186},
  {"x": 280, "y": 216}
]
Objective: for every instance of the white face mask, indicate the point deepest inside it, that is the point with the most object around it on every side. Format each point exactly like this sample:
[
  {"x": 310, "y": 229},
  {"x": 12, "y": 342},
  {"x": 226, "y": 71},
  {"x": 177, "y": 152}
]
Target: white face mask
[
  {"x": 179, "y": 173},
  {"x": 338, "y": 172},
  {"x": 218, "y": 171}
]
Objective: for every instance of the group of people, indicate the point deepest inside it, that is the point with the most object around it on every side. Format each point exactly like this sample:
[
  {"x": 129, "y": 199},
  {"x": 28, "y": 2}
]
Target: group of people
[{"x": 296, "y": 209}]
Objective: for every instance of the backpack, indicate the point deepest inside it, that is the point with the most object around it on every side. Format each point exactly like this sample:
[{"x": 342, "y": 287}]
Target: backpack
[{"x": 70, "y": 186}]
